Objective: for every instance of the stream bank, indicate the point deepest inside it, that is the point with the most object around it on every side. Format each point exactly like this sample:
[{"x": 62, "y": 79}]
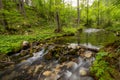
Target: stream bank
[
  {"x": 107, "y": 63},
  {"x": 53, "y": 62},
  {"x": 65, "y": 58}
]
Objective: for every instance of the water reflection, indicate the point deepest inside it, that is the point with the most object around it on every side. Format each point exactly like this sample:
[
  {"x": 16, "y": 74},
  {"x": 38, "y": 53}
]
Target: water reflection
[{"x": 95, "y": 37}]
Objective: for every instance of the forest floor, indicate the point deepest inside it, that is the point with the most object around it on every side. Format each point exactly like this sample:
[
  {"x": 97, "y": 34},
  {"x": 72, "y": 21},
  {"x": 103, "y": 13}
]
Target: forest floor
[{"x": 12, "y": 43}]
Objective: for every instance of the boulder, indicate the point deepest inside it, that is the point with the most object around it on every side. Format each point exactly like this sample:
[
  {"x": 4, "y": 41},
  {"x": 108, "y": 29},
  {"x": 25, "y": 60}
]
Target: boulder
[
  {"x": 73, "y": 46},
  {"x": 25, "y": 44},
  {"x": 72, "y": 66}
]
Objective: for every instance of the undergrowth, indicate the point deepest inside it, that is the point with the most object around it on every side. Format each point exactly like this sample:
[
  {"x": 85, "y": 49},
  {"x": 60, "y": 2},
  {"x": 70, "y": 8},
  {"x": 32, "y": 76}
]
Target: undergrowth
[{"x": 12, "y": 43}]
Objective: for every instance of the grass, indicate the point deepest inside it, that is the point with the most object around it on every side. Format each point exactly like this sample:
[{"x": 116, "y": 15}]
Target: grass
[{"x": 12, "y": 43}]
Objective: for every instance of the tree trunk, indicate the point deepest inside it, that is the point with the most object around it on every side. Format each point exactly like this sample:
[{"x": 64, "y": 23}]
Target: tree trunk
[
  {"x": 50, "y": 4},
  {"x": 98, "y": 21},
  {"x": 78, "y": 11},
  {"x": 1, "y": 6},
  {"x": 21, "y": 7},
  {"x": 87, "y": 13},
  {"x": 3, "y": 19},
  {"x": 58, "y": 22},
  {"x": 57, "y": 3}
]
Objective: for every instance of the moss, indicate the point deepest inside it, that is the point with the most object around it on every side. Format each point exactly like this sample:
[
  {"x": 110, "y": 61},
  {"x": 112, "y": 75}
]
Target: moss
[{"x": 106, "y": 66}]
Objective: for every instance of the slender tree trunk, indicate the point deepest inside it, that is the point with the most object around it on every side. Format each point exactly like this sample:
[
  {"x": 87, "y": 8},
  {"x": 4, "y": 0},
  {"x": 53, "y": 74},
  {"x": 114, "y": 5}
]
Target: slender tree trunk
[
  {"x": 78, "y": 12},
  {"x": 58, "y": 22},
  {"x": 15, "y": 1},
  {"x": 50, "y": 4},
  {"x": 57, "y": 17},
  {"x": 87, "y": 12},
  {"x": 98, "y": 21},
  {"x": 21, "y": 7},
  {"x": 1, "y": 5},
  {"x": 3, "y": 19}
]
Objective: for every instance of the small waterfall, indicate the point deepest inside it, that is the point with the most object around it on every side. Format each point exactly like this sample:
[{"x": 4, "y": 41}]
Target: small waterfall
[
  {"x": 32, "y": 59},
  {"x": 17, "y": 70}
]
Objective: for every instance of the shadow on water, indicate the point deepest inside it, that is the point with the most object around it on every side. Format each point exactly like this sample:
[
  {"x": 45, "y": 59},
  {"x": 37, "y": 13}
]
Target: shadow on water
[{"x": 38, "y": 68}]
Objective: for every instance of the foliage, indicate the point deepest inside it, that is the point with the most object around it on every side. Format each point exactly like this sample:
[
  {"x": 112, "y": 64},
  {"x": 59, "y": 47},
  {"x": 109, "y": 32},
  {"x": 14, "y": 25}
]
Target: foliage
[
  {"x": 12, "y": 43},
  {"x": 43, "y": 12},
  {"x": 101, "y": 67}
]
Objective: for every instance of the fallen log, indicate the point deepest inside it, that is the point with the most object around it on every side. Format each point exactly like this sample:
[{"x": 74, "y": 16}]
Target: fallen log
[{"x": 90, "y": 48}]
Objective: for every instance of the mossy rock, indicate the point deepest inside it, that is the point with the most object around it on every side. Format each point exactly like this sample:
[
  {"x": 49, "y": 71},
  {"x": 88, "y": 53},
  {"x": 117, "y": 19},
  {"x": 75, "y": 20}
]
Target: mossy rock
[
  {"x": 63, "y": 59},
  {"x": 48, "y": 56},
  {"x": 73, "y": 52},
  {"x": 24, "y": 52}
]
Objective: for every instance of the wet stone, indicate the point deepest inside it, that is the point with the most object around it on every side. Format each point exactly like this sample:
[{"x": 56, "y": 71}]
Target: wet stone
[
  {"x": 67, "y": 66},
  {"x": 25, "y": 44},
  {"x": 72, "y": 66},
  {"x": 31, "y": 69},
  {"x": 88, "y": 54},
  {"x": 47, "y": 73},
  {"x": 63, "y": 59},
  {"x": 73, "y": 46},
  {"x": 37, "y": 68},
  {"x": 83, "y": 72},
  {"x": 56, "y": 70},
  {"x": 24, "y": 52},
  {"x": 80, "y": 52},
  {"x": 48, "y": 56}
]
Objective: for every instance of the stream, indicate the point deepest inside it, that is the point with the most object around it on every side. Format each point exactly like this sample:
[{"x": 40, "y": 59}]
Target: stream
[{"x": 64, "y": 58}]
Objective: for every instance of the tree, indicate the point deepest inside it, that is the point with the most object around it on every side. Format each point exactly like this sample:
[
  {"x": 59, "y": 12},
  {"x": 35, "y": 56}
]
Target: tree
[
  {"x": 78, "y": 12},
  {"x": 21, "y": 7},
  {"x": 1, "y": 5},
  {"x": 98, "y": 21},
  {"x": 3, "y": 19},
  {"x": 57, "y": 15},
  {"x": 87, "y": 13}
]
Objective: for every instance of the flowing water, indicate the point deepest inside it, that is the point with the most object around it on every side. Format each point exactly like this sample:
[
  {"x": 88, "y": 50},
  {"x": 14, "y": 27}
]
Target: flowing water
[{"x": 77, "y": 68}]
